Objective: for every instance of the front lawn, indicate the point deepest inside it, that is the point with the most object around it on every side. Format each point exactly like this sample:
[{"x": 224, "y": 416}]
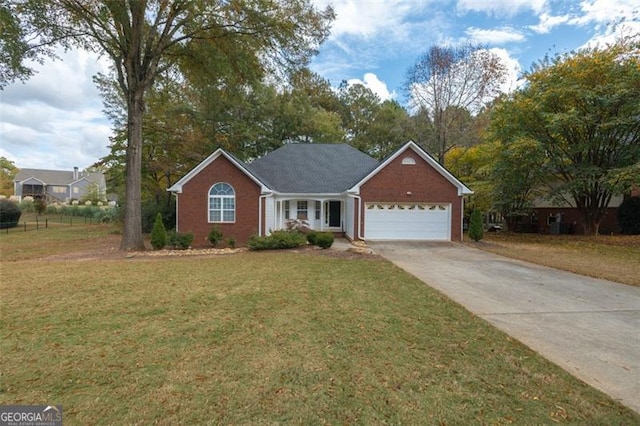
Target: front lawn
[
  {"x": 610, "y": 257},
  {"x": 270, "y": 337}
]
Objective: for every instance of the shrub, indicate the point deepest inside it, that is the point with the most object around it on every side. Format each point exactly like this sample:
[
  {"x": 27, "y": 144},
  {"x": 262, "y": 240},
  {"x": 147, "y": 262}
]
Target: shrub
[
  {"x": 231, "y": 242},
  {"x": 277, "y": 240},
  {"x": 215, "y": 236},
  {"x": 476, "y": 232},
  {"x": 324, "y": 240},
  {"x": 88, "y": 211},
  {"x": 179, "y": 241},
  {"x": 107, "y": 215},
  {"x": 158, "y": 234},
  {"x": 311, "y": 237},
  {"x": 149, "y": 211},
  {"x": 26, "y": 205},
  {"x": 629, "y": 216},
  {"x": 9, "y": 214},
  {"x": 40, "y": 206},
  {"x": 52, "y": 209}
]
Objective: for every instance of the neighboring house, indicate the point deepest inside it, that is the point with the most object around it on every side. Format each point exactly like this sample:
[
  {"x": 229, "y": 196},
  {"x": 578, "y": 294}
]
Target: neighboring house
[
  {"x": 562, "y": 217},
  {"x": 333, "y": 187},
  {"x": 59, "y": 185}
]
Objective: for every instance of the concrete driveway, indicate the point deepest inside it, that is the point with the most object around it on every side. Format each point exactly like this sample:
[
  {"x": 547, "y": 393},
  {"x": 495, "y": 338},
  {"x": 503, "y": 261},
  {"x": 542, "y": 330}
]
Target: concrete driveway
[{"x": 589, "y": 327}]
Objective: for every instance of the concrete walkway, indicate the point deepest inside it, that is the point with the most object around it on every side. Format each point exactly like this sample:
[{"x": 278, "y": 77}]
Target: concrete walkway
[{"x": 589, "y": 327}]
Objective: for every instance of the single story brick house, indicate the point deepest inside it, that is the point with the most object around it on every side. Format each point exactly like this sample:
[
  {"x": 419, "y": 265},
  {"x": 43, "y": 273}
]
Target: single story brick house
[{"x": 333, "y": 187}]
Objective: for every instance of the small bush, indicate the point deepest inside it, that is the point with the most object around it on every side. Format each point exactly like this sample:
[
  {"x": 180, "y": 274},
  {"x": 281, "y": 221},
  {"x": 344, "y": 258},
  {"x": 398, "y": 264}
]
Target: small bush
[
  {"x": 179, "y": 241},
  {"x": 40, "y": 206},
  {"x": 231, "y": 242},
  {"x": 277, "y": 240},
  {"x": 629, "y": 216},
  {"x": 88, "y": 211},
  {"x": 311, "y": 237},
  {"x": 26, "y": 205},
  {"x": 324, "y": 239},
  {"x": 215, "y": 236},
  {"x": 51, "y": 209},
  {"x": 9, "y": 214},
  {"x": 107, "y": 215},
  {"x": 476, "y": 232},
  {"x": 158, "y": 234}
]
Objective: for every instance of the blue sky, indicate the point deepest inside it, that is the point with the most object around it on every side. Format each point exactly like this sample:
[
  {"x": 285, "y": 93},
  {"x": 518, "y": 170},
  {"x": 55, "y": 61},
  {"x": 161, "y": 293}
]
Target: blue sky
[{"x": 55, "y": 120}]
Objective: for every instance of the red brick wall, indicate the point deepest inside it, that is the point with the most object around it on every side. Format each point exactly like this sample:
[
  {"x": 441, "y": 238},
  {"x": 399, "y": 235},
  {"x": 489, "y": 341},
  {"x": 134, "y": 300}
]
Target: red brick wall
[
  {"x": 571, "y": 217},
  {"x": 193, "y": 202},
  {"x": 425, "y": 184}
]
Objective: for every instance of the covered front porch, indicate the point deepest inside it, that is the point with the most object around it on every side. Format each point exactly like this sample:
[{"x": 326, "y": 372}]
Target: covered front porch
[{"x": 317, "y": 213}]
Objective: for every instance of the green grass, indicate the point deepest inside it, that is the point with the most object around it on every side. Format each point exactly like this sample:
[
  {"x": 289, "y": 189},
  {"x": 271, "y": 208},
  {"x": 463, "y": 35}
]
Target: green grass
[
  {"x": 274, "y": 337},
  {"x": 56, "y": 240}
]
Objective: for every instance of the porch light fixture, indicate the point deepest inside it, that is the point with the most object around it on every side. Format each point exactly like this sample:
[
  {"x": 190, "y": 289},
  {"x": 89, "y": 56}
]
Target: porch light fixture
[{"x": 409, "y": 192}]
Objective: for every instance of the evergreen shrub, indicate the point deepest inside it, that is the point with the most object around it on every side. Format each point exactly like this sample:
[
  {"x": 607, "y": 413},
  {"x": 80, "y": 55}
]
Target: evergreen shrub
[
  {"x": 215, "y": 236},
  {"x": 476, "y": 231},
  {"x": 629, "y": 216},
  {"x": 158, "y": 234},
  {"x": 179, "y": 241},
  {"x": 324, "y": 239},
  {"x": 277, "y": 240},
  {"x": 10, "y": 214},
  {"x": 311, "y": 237}
]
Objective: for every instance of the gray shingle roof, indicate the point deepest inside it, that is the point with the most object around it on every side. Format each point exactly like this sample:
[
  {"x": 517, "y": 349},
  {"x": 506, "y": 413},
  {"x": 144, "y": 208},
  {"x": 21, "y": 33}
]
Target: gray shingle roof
[
  {"x": 312, "y": 168},
  {"x": 55, "y": 177}
]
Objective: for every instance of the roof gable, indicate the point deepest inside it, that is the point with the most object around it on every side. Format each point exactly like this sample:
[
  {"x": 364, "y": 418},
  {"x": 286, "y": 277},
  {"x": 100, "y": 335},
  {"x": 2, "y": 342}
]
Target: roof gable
[
  {"x": 58, "y": 177},
  {"x": 309, "y": 168},
  {"x": 411, "y": 145},
  {"x": 177, "y": 187}
]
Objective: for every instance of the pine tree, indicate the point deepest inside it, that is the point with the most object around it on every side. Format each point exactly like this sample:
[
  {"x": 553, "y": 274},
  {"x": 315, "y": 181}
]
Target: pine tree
[
  {"x": 475, "y": 226},
  {"x": 158, "y": 234}
]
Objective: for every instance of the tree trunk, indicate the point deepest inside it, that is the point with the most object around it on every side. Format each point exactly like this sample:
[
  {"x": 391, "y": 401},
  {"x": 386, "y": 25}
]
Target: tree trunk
[
  {"x": 132, "y": 233},
  {"x": 591, "y": 226}
]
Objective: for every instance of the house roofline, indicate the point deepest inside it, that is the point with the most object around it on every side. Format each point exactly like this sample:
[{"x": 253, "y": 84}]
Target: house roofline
[
  {"x": 462, "y": 188},
  {"x": 177, "y": 187},
  {"x": 21, "y": 182},
  {"x": 308, "y": 194}
]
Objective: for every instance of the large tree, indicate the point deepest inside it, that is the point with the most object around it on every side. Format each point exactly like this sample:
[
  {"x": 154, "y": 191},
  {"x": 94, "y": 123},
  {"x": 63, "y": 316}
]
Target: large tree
[
  {"x": 583, "y": 112},
  {"x": 448, "y": 83},
  {"x": 145, "y": 37}
]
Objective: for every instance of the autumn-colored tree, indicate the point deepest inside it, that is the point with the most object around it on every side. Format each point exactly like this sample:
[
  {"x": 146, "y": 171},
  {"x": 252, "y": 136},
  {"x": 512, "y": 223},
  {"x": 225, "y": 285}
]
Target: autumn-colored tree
[
  {"x": 8, "y": 171},
  {"x": 144, "y": 38},
  {"x": 446, "y": 83},
  {"x": 579, "y": 113}
]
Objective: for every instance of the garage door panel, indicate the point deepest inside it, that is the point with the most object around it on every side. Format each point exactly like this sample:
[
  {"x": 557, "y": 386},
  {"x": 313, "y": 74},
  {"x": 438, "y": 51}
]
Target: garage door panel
[{"x": 392, "y": 221}]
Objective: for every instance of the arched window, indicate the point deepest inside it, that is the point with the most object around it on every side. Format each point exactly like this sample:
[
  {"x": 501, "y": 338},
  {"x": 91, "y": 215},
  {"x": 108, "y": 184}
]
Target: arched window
[{"x": 222, "y": 203}]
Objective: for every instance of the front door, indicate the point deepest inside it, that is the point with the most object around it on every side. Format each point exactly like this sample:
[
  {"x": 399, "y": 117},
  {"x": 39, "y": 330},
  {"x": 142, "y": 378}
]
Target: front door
[{"x": 335, "y": 208}]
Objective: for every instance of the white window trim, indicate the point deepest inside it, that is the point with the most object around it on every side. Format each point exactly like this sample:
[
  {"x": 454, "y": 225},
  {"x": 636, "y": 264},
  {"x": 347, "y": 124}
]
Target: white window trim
[{"x": 221, "y": 210}]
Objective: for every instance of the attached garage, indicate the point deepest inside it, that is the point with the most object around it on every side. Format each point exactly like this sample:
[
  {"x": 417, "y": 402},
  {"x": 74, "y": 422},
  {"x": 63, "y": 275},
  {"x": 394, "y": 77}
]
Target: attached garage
[{"x": 407, "y": 221}]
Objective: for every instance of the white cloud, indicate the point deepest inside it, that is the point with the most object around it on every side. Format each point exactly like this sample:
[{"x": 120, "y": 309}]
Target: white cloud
[
  {"x": 372, "y": 82},
  {"x": 55, "y": 119},
  {"x": 548, "y": 22},
  {"x": 514, "y": 70},
  {"x": 369, "y": 18},
  {"x": 614, "y": 33},
  {"x": 495, "y": 36},
  {"x": 501, "y": 7},
  {"x": 607, "y": 11}
]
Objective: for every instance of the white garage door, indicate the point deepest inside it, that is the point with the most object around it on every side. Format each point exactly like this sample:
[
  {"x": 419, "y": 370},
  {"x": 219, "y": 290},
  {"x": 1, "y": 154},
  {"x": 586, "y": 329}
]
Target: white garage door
[{"x": 394, "y": 221}]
